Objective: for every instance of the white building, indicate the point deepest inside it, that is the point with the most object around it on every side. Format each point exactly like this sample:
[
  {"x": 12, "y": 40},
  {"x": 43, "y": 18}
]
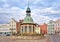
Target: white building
[
  {"x": 13, "y": 26},
  {"x": 4, "y": 30},
  {"x": 50, "y": 27}
]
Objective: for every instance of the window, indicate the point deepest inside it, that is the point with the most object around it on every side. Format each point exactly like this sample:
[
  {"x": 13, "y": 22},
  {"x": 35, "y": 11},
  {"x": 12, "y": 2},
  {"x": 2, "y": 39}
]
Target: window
[
  {"x": 5, "y": 33},
  {"x": 29, "y": 28},
  {"x": 0, "y": 32},
  {"x": 14, "y": 28},
  {"x": 25, "y": 28},
  {"x": 28, "y": 19},
  {"x": 33, "y": 28},
  {"x": 56, "y": 28},
  {"x": 10, "y": 25},
  {"x": 22, "y": 26},
  {"x": 22, "y": 29},
  {"x": 14, "y": 25}
]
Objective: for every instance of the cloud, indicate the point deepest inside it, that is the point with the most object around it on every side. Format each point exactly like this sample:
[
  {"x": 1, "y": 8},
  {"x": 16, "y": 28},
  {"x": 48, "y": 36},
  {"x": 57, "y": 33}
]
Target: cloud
[
  {"x": 42, "y": 10},
  {"x": 38, "y": 18},
  {"x": 50, "y": 10},
  {"x": 6, "y": 5},
  {"x": 13, "y": 12},
  {"x": 42, "y": 15}
]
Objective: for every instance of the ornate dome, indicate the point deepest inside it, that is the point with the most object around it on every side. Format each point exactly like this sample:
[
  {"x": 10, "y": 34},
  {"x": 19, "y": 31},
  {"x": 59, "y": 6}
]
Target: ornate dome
[{"x": 28, "y": 19}]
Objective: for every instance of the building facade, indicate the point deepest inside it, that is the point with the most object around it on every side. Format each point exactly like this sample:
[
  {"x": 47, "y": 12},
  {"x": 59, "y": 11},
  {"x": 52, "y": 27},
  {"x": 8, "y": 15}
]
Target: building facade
[
  {"x": 43, "y": 28},
  {"x": 13, "y": 25},
  {"x": 18, "y": 26},
  {"x": 37, "y": 29},
  {"x": 4, "y": 30},
  {"x": 50, "y": 27},
  {"x": 57, "y": 26}
]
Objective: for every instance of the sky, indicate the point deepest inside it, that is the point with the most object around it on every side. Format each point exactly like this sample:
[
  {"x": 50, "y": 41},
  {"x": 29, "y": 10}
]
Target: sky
[{"x": 41, "y": 10}]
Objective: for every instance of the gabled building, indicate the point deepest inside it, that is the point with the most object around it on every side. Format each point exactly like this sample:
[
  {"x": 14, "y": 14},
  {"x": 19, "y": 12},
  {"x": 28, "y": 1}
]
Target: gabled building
[{"x": 13, "y": 26}]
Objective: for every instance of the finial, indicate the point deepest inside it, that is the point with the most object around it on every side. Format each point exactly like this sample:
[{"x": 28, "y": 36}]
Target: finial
[
  {"x": 28, "y": 9},
  {"x": 28, "y": 3}
]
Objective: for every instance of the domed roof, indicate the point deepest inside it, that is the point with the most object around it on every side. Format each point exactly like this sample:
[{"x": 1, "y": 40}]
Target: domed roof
[{"x": 28, "y": 19}]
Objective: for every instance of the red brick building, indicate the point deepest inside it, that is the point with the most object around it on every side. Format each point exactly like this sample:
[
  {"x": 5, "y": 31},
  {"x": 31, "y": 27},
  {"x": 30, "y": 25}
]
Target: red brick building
[
  {"x": 43, "y": 28},
  {"x": 18, "y": 25}
]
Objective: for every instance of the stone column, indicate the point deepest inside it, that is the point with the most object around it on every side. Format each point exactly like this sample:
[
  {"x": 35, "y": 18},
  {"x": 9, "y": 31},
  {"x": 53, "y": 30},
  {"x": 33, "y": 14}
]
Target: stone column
[
  {"x": 31, "y": 28},
  {"x": 27, "y": 28},
  {"x": 23, "y": 29}
]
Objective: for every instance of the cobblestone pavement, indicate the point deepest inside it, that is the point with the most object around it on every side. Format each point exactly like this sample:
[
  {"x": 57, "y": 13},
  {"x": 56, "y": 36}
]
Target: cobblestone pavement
[
  {"x": 54, "y": 38},
  {"x": 13, "y": 39}
]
